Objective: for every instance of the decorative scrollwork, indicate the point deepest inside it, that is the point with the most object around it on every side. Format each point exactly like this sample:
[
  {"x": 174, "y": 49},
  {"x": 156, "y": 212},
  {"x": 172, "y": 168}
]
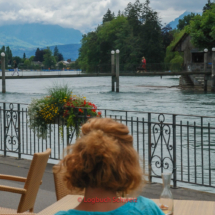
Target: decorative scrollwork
[
  {"x": 161, "y": 157},
  {"x": 11, "y": 128}
]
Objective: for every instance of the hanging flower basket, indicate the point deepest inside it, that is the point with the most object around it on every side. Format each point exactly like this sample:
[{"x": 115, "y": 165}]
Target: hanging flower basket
[{"x": 60, "y": 107}]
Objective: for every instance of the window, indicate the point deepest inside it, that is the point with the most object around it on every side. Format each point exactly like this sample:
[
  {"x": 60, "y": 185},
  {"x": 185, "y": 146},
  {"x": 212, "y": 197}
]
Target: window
[{"x": 198, "y": 57}]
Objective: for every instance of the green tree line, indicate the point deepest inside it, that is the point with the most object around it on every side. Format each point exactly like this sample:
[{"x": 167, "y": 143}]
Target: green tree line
[{"x": 136, "y": 32}]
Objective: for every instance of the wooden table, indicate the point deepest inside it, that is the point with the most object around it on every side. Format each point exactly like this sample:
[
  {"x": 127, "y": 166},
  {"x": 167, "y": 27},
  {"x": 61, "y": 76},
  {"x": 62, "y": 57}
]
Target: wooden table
[{"x": 181, "y": 207}]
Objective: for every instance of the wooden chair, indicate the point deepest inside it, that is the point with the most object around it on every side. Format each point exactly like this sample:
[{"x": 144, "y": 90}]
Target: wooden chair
[
  {"x": 60, "y": 187},
  {"x": 32, "y": 183}
]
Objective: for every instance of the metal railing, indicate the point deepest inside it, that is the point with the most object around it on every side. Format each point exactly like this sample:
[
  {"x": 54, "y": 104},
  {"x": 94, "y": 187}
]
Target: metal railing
[{"x": 181, "y": 144}]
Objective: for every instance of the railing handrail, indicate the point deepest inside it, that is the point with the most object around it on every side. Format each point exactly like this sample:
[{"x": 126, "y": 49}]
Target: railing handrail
[{"x": 129, "y": 111}]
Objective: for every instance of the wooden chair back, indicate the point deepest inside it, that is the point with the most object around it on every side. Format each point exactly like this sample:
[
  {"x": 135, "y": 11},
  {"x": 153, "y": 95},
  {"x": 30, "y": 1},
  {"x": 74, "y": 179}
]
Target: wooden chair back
[
  {"x": 33, "y": 181},
  {"x": 60, "y": 186}
]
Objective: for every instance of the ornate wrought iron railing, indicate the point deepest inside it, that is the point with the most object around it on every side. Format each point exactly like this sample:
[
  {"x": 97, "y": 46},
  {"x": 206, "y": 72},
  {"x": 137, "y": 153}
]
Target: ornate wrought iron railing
[{"x": 181, "y": 144}]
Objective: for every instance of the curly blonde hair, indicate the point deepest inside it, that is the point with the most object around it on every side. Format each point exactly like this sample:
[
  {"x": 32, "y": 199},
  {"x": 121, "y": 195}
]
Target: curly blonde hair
[{"x": 103, "y": 157}]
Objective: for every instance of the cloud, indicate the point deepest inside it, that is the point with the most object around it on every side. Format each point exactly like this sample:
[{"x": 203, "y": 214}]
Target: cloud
[{"x": 84, "y": 15}]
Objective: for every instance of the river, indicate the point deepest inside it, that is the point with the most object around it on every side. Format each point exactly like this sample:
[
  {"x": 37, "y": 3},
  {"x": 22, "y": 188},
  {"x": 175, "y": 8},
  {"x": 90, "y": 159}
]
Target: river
[
  {"x": 151, "y": 94},
  {"x": 148, "y": 94}
]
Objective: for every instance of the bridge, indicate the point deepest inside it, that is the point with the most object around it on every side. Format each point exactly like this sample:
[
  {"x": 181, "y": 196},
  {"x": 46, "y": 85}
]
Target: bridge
[{"x": 78, "y": 74}]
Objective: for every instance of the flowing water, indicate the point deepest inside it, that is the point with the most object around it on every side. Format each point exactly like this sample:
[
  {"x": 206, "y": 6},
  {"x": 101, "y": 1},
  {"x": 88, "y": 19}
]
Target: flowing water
[{"x": 148, "y": 94}]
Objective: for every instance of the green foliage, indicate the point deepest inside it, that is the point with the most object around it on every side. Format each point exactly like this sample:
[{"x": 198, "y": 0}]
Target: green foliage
[
  {"x": 176, "y": 63},
  {"x": 136, "y": 33},
  {"x": 49, "y": 60},
  {"x": 60, "y": 65},
  {"x": 108, "y": 16},
  {"x": 17, "y": 59},
  {"x": 31, "y": 58},
  {"x": 8, "y": 55},
  {"x": 202, "y": 29},
  {"x": 59, "y": 92},
  {"x": 58, "y": 107},
  {"x": 185, "y": 21},
  {"x": 208, "y": 6},
  {"x": 27, "y": 62},
  {"x": 74, "y": 65},
  {"x": 170, "y": 55}
]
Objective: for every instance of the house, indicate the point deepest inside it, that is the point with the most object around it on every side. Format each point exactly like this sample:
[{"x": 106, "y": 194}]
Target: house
[
  {"x": 65, "y": 63},
  {"x": 36, "y": 63},
  {"x": 193, "y": 57}
]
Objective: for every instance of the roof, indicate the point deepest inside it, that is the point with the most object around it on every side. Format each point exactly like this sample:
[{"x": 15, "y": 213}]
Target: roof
[{"x": 185, "y": 35}]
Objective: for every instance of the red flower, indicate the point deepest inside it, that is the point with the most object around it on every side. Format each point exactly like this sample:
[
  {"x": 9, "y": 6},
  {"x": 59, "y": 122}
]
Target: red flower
[
  {"x": 81, "y": 111},
  {"x": 99, "y": 113},
  {"x": 85, "y": 102}
]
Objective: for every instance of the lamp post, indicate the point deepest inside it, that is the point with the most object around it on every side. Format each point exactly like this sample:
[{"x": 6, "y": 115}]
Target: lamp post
[
  {"x": 205, "y": 59},
  {"x": 117, "y": 70},
  {"x": 112, "y": 69},
  {"x": 213, "y": 71},
  {"x": 205, "y": 68},
  {"x": 3, "y": 72}
]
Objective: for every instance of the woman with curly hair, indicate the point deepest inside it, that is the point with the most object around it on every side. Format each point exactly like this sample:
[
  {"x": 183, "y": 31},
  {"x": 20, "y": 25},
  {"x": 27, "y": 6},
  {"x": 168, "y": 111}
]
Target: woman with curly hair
[{"x": 104, "y": 163}]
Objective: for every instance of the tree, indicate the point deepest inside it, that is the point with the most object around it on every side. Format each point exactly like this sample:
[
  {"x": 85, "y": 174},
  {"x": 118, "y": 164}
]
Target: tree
[
  {"x": 108, "y": 16},
  {"x": 56, "y": 51},
  {"x": 185, "y": 21},
  {"x": 17, "y": 59},
  {"x": 136, "y": 32},
  {"x": 49, "y": 59},
  {"x": 31, "y": 58},
  {"x": 39, "y": 55},
  {"x": 27, "y": 63},
  {"x": 167, "y": 36},
  {"x": 24, "y": 56},
  {"x": 60, "y": 57},
  {"x": 202, "y": 29},
  {"x": 60, "y": 66},
  {"x": 208, "y": 6}
]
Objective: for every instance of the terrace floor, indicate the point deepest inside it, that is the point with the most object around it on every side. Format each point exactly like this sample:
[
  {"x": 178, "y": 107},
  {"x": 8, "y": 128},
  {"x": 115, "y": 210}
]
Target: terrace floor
[{"x": 46, "y": 195}]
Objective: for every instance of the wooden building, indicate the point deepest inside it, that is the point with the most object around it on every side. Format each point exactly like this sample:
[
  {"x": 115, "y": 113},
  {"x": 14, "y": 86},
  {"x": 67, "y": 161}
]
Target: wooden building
[{"x": 193, "y": 57}]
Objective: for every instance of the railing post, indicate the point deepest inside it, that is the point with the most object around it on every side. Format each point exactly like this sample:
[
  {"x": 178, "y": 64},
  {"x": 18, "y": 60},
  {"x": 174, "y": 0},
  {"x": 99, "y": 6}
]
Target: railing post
[
  {"x": 3, "y": 72},
  {"x": 19, "y": 133},
  {"x": 149, "y": 147},
  {"x": 67, "y": 135},
  {"x": 4, "y": 129},
  {"x": 174, "y": 152}
]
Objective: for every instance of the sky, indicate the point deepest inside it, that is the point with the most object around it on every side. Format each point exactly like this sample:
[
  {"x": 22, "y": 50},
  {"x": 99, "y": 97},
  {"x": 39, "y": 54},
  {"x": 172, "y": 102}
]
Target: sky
[{"x": 84, "y": 15}]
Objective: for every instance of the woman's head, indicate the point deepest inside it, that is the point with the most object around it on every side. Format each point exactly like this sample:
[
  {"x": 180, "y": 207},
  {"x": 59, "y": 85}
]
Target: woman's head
[
  {"x": 143, "y": 57},
  {"x": 103, "y": 157}
]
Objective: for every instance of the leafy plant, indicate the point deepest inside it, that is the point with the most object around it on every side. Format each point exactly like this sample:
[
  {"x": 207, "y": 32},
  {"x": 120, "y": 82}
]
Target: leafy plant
[{"x": 59, "y": 107}]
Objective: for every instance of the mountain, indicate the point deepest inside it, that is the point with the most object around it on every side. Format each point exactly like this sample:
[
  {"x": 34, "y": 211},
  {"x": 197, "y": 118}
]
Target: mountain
[
  {"x": 28, "y": 37},
  {"x": 69, "y": 51},
  {"x": 38, "y": 35},
  {"x": 174, "y": 23}
]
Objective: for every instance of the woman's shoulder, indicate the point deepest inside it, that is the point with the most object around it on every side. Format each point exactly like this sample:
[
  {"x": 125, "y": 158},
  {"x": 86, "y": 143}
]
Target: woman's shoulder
[{"x": 147, "y": 206}]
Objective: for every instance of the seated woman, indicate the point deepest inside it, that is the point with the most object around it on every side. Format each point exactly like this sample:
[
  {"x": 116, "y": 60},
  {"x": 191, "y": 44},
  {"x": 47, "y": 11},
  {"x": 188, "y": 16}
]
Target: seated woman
[{"x": 104, "y": 163}]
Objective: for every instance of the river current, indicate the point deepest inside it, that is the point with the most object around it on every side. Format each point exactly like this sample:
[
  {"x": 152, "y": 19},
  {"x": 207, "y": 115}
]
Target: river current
[{"x": 148, "y": 94}]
